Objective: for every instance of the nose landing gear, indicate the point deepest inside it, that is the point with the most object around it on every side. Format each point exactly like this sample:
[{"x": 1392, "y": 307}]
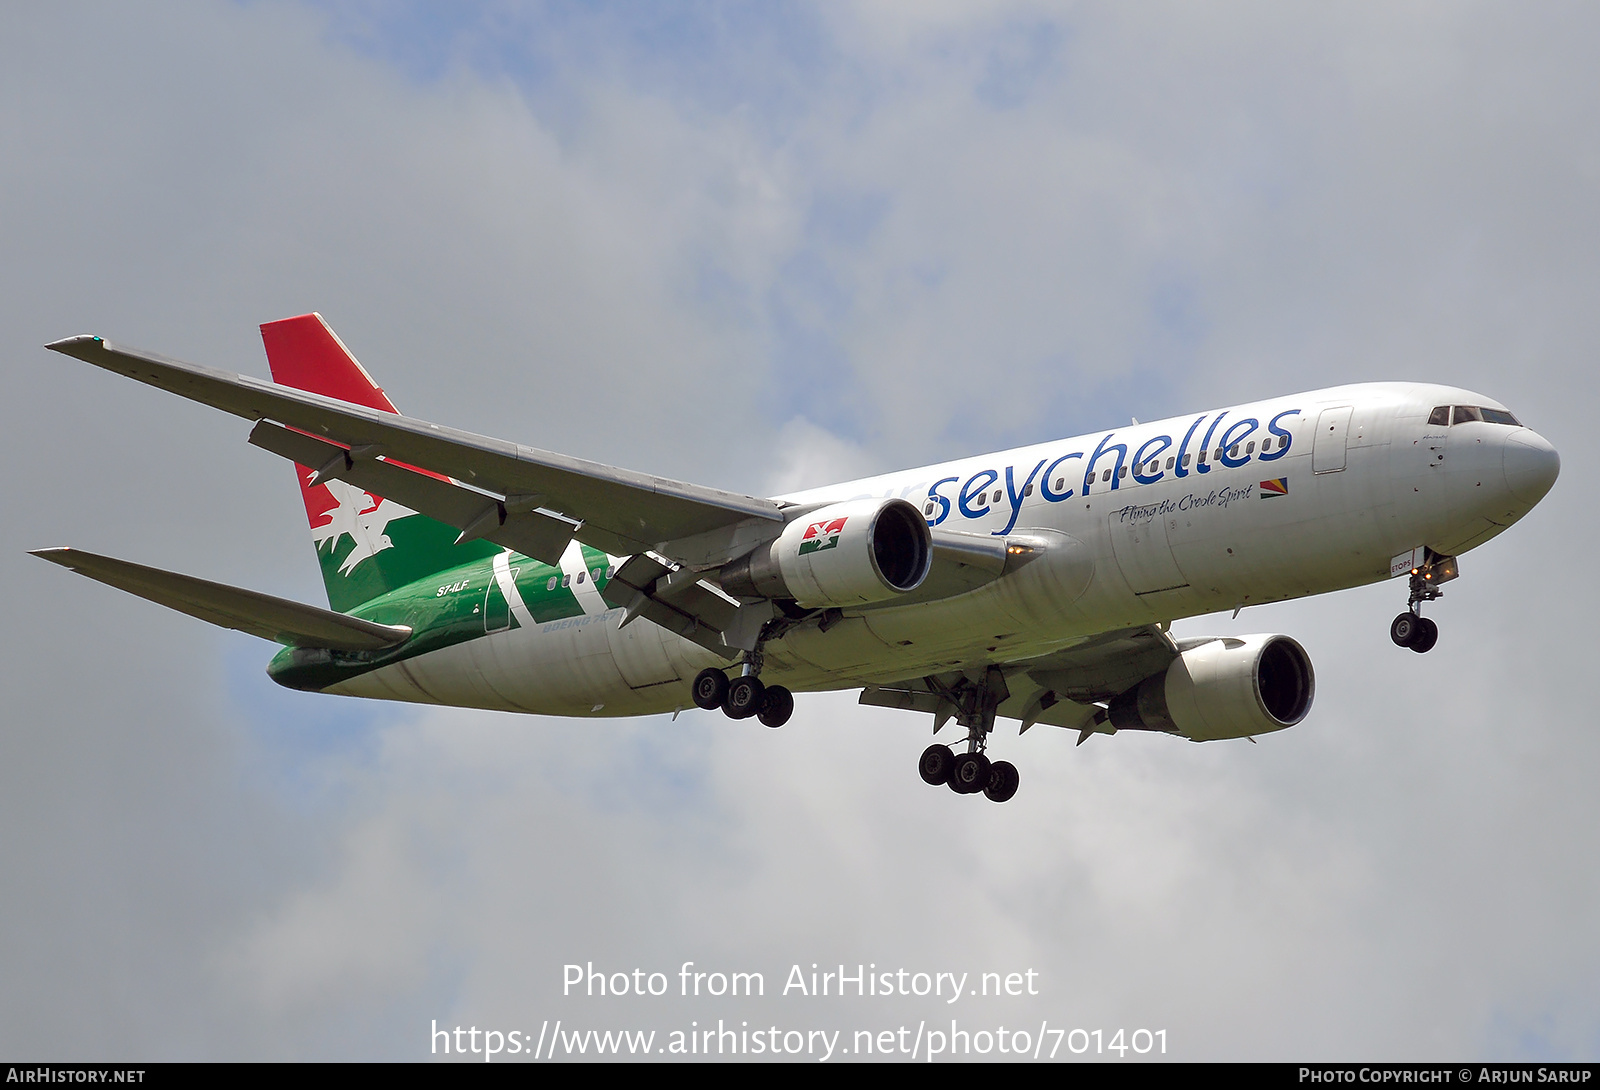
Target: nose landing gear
[
  {"x": 1414, "y": 631},
  {"x": 1411, "y": 629}
]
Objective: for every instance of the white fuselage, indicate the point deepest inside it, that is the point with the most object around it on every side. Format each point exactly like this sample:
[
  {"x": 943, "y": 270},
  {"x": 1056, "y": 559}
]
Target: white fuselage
[{"x": 1312, "y": 493}]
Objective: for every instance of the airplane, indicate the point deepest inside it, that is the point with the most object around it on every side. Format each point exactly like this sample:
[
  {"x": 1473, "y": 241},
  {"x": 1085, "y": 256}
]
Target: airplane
[{"x": 1037, "y": 585}]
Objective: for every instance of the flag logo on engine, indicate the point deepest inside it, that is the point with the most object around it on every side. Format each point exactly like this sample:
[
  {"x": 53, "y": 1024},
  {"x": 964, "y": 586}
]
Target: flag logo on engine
[{"x": 821, "y": 535}]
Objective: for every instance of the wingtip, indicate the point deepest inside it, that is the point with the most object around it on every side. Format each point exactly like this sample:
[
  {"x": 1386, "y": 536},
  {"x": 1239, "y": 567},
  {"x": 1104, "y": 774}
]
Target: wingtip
[
  {"x": 57, "y": 554},
  {"x": 66, "y": 344}
]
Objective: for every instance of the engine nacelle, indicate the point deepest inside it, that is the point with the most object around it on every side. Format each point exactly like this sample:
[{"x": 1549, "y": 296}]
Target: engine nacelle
[
  {"x": 845, "y": 554},
  {"x": 1229, "y": 687}
]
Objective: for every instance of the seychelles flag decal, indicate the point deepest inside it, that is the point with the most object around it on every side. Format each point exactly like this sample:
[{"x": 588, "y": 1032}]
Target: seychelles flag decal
[
  {"x": 821, "y": 535},
  {"x": 1278, "y": 486}
]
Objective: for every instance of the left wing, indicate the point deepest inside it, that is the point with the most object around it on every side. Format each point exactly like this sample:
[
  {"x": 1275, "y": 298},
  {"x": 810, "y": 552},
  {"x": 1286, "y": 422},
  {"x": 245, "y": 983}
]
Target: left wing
[
  {"x": 619, "y": 511},
  {"x": 535, "y": 502}
]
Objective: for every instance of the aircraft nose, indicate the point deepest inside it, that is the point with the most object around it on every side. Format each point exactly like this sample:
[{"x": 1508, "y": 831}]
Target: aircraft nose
[{"x": 1531, "y": 465}]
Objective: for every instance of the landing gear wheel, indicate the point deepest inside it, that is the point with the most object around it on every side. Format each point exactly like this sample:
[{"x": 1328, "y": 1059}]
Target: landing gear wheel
[
  {"x": 1003, "y": 781},
  {"x": 710, "y": 688},
  {"x": 776, "y": 706},
  {"x": 744, "y": 697},
  {"x": 1404, "y": 629},
  {"x": 1426, "y": 636},
  {"x": 969, "y": 774},
  {"x": 935, "y": 764}
]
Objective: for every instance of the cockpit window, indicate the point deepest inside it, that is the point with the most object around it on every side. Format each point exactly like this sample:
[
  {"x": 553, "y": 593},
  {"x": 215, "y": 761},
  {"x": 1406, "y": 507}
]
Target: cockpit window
[
  {"x": 1440, "y": 416},
  {"x": 1474, "y": 413}
]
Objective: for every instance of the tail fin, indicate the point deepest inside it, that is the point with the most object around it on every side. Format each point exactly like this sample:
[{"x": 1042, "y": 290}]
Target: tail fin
[{"x": 366, "y": 545}]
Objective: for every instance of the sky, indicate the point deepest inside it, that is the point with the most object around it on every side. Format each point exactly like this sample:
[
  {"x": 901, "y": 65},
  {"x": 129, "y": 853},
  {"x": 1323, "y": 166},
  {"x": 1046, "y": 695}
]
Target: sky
[{"x": 764, "y": 247}]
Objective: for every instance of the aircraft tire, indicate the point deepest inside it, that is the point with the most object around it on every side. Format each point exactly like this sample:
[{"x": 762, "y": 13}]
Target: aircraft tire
[
  {"x": 744, "y": 697},
  {"x": 710, "y": 688},
  {"x": 1427, "y": 635},
  {"x": 777, "y": 705},
  {"x": 969, "y": 774},
  {"x": 1404, "y": 629},
  {"x": 935, "y": 764},
  {"x": 1003, "y": 780}
]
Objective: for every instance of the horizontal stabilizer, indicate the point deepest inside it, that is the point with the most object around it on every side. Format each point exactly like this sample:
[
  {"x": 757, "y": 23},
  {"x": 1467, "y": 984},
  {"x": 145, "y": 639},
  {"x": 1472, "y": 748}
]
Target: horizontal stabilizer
[{"x": 276, "y": 619}]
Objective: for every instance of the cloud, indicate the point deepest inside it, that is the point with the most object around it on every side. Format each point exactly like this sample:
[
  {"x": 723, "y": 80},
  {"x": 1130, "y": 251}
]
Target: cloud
[{"x": 762, "y": 250}]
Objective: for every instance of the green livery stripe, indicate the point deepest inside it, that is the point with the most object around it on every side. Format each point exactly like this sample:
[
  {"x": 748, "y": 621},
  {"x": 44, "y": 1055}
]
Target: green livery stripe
[
  {"x": 444, "y": 608},
  {"x": 419, "y": 547}
]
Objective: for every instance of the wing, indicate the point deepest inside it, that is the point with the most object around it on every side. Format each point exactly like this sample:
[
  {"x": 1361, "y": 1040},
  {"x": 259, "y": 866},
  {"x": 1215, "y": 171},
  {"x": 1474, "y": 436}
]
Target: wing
[
  {"x": 535, "y": 502},
  {"x": 617, "y": 510},
  {"x": 1067, "y": 688},
  {"x": 276, "y": 619}
]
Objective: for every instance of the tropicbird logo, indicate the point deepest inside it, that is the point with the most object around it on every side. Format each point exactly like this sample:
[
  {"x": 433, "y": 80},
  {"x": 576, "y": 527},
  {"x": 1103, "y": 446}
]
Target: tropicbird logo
[{"x": 361, "y": 515}]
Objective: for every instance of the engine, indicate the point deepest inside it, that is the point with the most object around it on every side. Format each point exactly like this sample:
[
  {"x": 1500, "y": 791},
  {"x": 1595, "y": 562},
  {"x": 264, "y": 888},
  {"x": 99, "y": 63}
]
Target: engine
[
  {"x": 845, "y": 554},
  {"x": 1229, "y": 687}
]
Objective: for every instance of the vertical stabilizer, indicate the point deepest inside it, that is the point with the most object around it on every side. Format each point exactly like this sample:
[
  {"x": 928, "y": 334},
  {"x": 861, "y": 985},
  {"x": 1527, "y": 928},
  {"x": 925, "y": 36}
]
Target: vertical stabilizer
[{"x": 366, "y": 545}]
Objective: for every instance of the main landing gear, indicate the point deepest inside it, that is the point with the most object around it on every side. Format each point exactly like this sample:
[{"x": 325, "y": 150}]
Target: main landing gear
[
  {"x": 743, "y": 697},
  {"x": 968, "y": 773},
  {"x": 1411, "y": 629},
  {"x": 971, "y": 772}
]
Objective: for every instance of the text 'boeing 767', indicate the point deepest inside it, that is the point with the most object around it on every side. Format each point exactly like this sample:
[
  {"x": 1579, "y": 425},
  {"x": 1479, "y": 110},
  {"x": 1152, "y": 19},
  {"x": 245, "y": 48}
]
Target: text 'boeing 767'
[{"x": 1037, "y": 585}]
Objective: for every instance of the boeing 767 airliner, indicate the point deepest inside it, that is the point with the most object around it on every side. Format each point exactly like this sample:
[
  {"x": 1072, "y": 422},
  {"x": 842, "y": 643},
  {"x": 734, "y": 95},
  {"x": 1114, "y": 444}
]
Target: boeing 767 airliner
[{"x": 1036, "y": 584}]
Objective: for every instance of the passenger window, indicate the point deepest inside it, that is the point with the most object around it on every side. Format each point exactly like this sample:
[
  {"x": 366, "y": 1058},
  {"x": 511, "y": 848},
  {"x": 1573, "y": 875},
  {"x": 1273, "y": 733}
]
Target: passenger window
[
  {"x": 928, "y": 510},
  {"x": 1106, "y": 476},
  {"x": 1202, "y": 458},
  {"x": 1186, "y": 460},
  {"x": 997, "y": 495},
  {"x": 1061, "y": 482},
  {"x": 1233, "y": 451},
  {"x": 610, "y": 571},
  {"x": 580, "y": 577},
  {"x": 1440, "y": 416},
  {"x": 552, "y": 584},
  {"x": 1250, "y": 449},
  {"x": 1465, "y": 413},
  {"x": 566, "y": 580},
  {"x": 1027, "y": 490},
  {"x": 1169, "y": 463}
]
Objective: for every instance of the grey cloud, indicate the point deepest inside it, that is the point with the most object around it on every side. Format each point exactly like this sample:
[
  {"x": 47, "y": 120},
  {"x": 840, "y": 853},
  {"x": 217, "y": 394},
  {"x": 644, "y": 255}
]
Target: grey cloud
[{"x": 1176, "y": 209}]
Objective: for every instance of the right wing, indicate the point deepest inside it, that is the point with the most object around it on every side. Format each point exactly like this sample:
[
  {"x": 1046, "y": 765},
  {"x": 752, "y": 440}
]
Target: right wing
[
  {"x": 276, "y": 619},
  {"x": 1068, "y": 688}
]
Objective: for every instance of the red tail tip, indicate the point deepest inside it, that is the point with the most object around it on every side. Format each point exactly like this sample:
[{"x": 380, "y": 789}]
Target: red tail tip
[{"x": 306, "y": 354}]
